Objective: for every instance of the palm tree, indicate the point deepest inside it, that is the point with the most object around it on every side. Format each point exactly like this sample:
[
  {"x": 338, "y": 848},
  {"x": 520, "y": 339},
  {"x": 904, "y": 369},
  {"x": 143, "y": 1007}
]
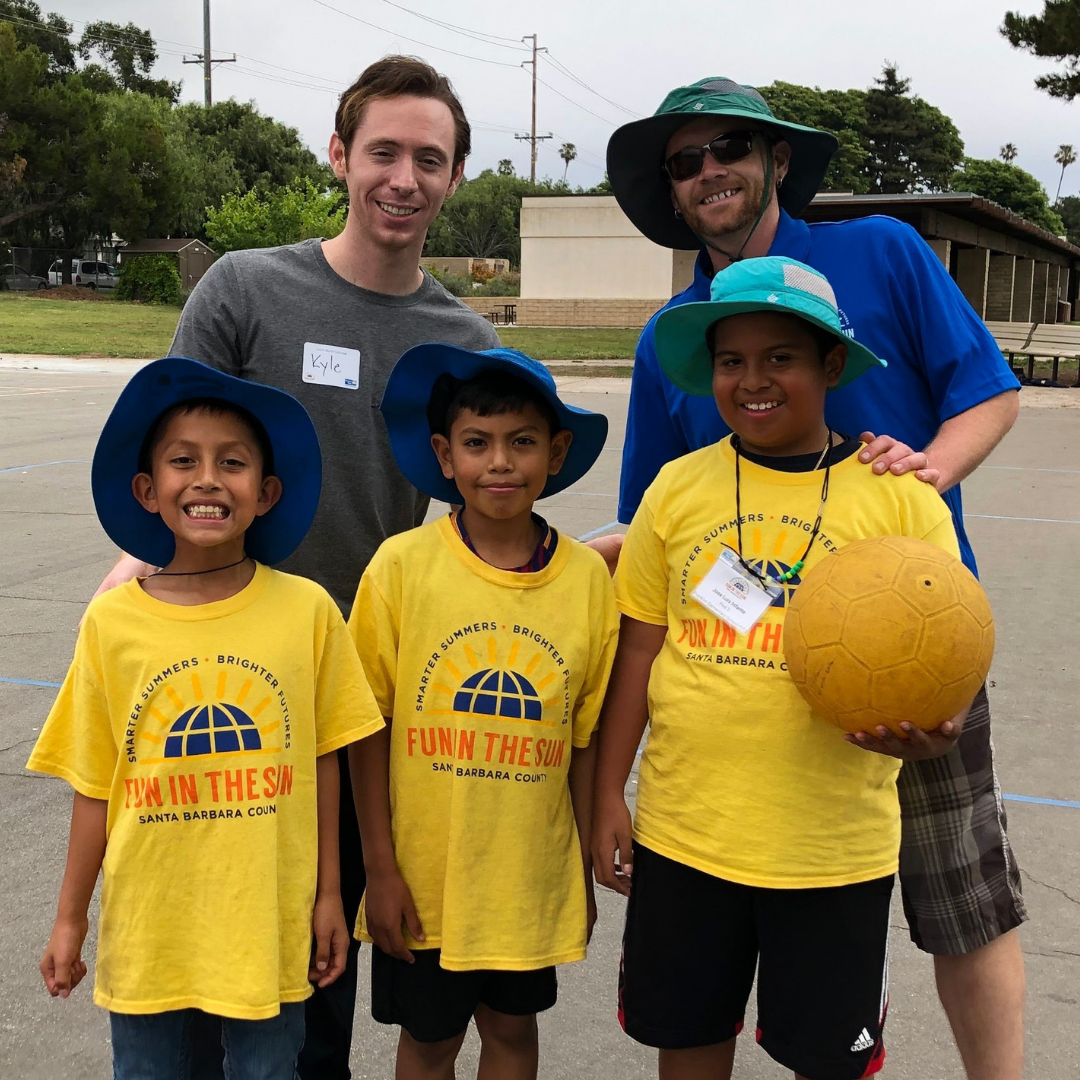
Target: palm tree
[
  {"x": 1008, "y": 153},
  {"x": 568, "y": 151},
  {"x": 1065, "y": 156}
]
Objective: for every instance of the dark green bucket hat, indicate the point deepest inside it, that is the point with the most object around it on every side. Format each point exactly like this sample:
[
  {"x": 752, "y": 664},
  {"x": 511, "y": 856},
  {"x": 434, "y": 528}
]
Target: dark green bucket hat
[{"x": 635, "y": 156}]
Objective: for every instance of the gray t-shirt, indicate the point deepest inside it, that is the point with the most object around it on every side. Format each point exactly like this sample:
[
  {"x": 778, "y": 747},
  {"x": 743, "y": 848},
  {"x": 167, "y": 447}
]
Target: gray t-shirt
[{"x": 251, "y": 315}]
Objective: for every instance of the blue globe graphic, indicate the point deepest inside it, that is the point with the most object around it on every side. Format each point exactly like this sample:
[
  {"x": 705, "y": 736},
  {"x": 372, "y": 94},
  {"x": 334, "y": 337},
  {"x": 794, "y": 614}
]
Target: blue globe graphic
[
  {"x": 212, "y": 729},
  {"x": 493, "y": 692},
  {"x": 774, "y": 570}
]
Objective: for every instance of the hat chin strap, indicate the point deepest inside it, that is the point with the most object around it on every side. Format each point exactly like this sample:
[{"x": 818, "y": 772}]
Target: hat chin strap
[{"x": 766, "y": 195}]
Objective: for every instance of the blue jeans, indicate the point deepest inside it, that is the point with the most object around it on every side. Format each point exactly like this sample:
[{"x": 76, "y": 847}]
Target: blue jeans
[{"x": 155, "y": 1046}]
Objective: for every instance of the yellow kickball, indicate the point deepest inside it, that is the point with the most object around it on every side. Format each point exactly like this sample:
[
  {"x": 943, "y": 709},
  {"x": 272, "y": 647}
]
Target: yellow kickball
[{"x": 886, "y": 630}]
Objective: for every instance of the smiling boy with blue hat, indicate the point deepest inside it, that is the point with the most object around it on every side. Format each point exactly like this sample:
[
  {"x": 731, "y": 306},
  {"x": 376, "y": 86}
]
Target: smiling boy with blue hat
[
  {"x": 487, "y": 638},
  {"x": 198, "y": 725},
  {"x": 756, "y": 824}
]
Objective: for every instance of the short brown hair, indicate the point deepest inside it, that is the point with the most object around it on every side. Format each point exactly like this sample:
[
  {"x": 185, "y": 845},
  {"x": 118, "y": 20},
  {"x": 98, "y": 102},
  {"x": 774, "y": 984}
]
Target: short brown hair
[{"x": 397, "y": 76}]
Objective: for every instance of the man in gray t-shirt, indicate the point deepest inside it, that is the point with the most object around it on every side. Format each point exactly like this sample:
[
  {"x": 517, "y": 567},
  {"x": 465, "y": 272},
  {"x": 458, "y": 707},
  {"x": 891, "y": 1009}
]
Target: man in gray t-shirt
[
  {"x": 326, "y": 321},
  {"x": 283, "y": 316}
]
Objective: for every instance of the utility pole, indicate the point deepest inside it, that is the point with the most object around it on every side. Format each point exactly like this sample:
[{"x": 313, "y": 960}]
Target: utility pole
[
  {"x": 532, "y": 138},
  {"x": 206, "y": 57}
]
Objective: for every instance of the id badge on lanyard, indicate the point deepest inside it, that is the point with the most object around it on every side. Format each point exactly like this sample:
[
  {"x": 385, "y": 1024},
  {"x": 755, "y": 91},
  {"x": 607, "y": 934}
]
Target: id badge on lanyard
[{"x": 733, "y": 594}]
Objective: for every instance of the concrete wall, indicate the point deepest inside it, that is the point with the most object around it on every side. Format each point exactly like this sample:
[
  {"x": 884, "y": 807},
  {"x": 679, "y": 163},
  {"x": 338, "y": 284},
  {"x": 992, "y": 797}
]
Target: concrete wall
[
  {"x": 972, "y": 270},
  {"x": 1022, "y": 281},
  {"x": 563, "y": 312},
  {"x": 942, "y": 249},
  {"x": 999, "y": 287},
  {"x": 1050, "y": 312},
  {"x": 1038, "y": 291},
  {"x": 584, "y": 247}
]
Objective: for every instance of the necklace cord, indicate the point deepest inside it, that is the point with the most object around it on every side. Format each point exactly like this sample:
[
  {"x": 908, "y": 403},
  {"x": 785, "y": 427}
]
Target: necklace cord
[
  {"x": 194, "y": 573},
  {"x": 784, "y": 578}
]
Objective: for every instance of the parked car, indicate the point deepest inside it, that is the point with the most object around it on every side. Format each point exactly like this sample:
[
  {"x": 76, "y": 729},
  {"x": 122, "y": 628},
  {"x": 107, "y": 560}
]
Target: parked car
[
  {"x": 14, "y": 277},
  {"x": 91, "y": 275}
]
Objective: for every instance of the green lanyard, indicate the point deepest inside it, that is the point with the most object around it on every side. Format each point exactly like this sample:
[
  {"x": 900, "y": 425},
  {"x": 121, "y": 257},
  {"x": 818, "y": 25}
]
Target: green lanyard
[{"x": 801, "y": 561}]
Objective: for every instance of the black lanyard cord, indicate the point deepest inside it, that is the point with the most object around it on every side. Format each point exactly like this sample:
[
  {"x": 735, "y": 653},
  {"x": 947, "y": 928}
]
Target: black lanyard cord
[{"x": 801, "y": 561}]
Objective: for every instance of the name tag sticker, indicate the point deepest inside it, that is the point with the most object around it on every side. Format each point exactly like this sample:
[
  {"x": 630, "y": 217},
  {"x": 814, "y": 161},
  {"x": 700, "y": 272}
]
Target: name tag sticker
[
  {"x": 732, "y": 594},
  {"x": 331, "y": 365}
]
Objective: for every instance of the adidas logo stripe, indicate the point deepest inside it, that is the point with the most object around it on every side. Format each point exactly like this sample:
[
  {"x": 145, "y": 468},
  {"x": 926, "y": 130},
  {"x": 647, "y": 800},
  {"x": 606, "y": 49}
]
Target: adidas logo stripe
[{"x": 863, "y": 1042}]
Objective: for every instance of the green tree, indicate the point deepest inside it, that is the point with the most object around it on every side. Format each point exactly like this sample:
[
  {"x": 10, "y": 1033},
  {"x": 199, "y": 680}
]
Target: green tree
[
  {"x": 49, "y": 35},
  {"x": 482, "y": 220},
  {"x": 843, "y": 112},
  {"x": 1068, "y": 209},
  {"x": 911, "y": 145},
  {"x": 1011, "y": 187},
  {"x": 127, "y": 54},
  {"x": 1065, "y": 156},
  {"x": 284, "y": 216},
  {"x": 568, "y": 152},
  {"x": 1054, "y": 34},
  {"x": 1008, "y": 153},
  {"x": 264, "y": 153}
]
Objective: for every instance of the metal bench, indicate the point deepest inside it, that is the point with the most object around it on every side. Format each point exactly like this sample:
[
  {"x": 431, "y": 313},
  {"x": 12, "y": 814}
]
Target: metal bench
[{"x": 1030, "y": 341}]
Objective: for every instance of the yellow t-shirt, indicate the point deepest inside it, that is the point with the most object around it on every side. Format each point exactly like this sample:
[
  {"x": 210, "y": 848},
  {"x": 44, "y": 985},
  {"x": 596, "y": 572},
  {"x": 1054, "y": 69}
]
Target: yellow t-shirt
[
  {"x": 200, "y": 726},
  {"x": 738, "y": 778},
  {"x": 490, "y": 678}
]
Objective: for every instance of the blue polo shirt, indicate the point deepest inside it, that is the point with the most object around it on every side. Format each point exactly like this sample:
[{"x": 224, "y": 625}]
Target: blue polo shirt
[{"x": 896, "y": 298}]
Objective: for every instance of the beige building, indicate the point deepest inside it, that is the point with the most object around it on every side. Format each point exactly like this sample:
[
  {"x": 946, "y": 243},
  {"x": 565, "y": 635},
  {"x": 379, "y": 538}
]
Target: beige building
[{"x": 584, "y": 264}]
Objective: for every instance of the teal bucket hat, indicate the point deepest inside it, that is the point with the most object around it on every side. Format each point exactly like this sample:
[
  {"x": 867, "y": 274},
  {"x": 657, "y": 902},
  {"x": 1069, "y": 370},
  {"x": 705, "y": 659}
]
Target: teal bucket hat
[
  {"x": 635, "y": 156},
  {"x": 774, "y": 284}
]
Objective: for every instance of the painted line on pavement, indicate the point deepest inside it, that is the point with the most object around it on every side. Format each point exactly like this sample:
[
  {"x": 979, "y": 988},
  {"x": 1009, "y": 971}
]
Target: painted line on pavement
[
  {"x": 1009, "y": 517},
  {"x": 597, "y": 532},
  {"x": 1025, "y": 468},
  {"x": 45, "y": 464},
  {"x": 29, "y": 682}
]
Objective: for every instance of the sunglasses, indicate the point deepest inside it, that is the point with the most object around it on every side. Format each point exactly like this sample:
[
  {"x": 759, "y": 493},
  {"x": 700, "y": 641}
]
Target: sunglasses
[{"x": 725, "y": 149}]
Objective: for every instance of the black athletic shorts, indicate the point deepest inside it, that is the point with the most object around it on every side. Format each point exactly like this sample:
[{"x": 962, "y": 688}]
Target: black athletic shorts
[
  {"x": 691, "y": 945},
  {"x": 433, "y": 1004}
]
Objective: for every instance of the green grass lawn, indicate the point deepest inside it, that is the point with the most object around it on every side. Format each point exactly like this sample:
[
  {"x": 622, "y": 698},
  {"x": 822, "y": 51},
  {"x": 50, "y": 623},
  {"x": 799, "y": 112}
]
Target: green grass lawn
[
  {"x": 85, "y": 328},
  {"x": 114, "y": 328}
]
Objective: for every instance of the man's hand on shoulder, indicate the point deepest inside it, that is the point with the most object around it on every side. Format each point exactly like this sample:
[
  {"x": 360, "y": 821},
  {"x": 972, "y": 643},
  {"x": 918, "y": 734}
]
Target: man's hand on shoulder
[
  {"x": 610, "y": 547},
  {"x": 884, "y": 454},
  {"x": 126, "y": 568}
]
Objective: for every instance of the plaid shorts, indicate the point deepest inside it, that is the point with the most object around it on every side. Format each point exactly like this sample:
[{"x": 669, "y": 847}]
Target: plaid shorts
[{"x": 958, "y": 877}]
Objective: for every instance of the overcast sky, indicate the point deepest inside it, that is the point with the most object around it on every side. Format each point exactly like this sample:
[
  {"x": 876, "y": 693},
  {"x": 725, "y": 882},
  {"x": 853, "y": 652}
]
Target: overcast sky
[{"x": 630, "y": 52}]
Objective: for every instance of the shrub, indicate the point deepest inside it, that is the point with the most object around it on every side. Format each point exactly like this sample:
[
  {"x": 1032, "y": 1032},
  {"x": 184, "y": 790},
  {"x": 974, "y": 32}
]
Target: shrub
[
  {"x": 508, "y": 284},
  {"x": 482, "y": 274},
  {"x": 456, "y": 284},
  {"x": 153, "y": 279}
]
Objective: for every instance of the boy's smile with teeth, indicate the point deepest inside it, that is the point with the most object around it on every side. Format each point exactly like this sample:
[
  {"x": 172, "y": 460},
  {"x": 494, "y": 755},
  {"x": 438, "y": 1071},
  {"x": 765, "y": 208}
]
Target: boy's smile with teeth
[
  {"x": 760, "y": 406},
  {"x": 206, "y": 510},
  {"x": 397, "y": 211}
]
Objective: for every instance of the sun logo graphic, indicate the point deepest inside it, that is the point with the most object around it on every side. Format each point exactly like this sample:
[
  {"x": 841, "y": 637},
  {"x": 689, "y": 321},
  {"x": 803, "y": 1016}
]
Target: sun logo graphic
[
  {"x": 221, "y": 722},
  {"x": 476, "y": 681}
]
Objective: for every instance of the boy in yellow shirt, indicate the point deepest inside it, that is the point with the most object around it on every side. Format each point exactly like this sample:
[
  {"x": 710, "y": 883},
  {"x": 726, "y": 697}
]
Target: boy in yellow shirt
[
  {"x": 198, "y": 724},
  {"x": 757, "y": 827},
  {"x": 487, "y": 638}
]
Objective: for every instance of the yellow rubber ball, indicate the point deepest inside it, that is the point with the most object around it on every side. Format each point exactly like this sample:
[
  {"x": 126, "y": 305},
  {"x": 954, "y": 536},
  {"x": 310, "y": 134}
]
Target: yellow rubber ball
[{"x": 886, "y": 630}]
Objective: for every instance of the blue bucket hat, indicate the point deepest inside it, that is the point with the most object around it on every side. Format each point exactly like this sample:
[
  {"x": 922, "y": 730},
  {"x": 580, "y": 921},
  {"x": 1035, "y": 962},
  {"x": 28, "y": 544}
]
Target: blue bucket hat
[
  {"x": 773, "y": 283},
  {"x": 408, "y": 394},
  {"x": 165, "y": 383}
]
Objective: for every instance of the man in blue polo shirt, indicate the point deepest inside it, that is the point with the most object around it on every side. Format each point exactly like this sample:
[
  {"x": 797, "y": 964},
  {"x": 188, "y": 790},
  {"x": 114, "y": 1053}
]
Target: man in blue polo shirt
[{"x": 714, "y": 171}]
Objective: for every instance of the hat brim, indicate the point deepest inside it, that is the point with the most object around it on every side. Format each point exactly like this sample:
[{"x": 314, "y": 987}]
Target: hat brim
[
  {"x": 684, "y": 355},
  {"x": 405, "y": 403},
  {"x": 635, "y": 157},
  {"x": 165, "y": 383}
]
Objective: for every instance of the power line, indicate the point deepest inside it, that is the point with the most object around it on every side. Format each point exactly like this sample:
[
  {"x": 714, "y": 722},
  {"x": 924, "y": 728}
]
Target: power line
[
  {"x": 415, "y": 41},
  {"x": 570, "y": 75},
  {"x": 476, "y": 35},
  {"x": 578, "y": 104}
]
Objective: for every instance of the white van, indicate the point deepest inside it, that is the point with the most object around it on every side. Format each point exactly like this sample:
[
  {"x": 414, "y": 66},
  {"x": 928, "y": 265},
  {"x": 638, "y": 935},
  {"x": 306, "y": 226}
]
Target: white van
[{"x": 91, "y": 275}]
